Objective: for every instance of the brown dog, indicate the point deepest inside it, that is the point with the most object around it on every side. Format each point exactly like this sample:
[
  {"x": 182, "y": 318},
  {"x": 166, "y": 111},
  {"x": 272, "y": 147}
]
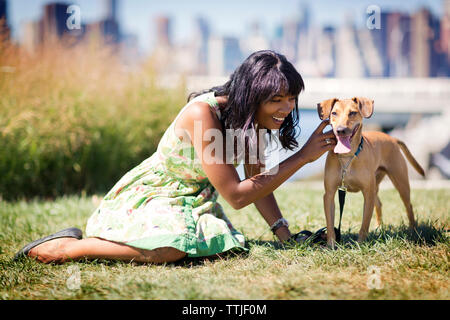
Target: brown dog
[{"x": 380, "y": 155}]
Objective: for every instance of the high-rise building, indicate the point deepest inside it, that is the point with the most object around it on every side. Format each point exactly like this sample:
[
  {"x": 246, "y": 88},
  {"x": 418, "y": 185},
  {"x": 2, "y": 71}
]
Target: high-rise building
[
  {"x": 224, "y": 55},
  {"x": 371, "y": 56},
  {"x": 289, "y": 42},
  {"x": 31, "y": 35},
  {"x": 53, "y": 25},
  {"x": 163, "y": 31},
  {"x": 326, "y": 56},
  {"x": 398, "y": 44},
  {"x": 421, "y": 43},
  {"x": 349, "y": 62},
  {"x": 4, "y": 23},
  {"x": 255, "y": 40},
  {"x": 54, "y": 21},
  {"x": 200, "y": 44},
  {"x": 111, "y": 10},
  {"x": 380, "y": 40},
  {"x": 445, "y": 35},
  {"x": 163, "y": 55},
  {"x": 108, "y": 27},
  {"x": 111, "y": 29},
  {"x": 3, "y": 9},
  {"x": 438, "y": 59}
]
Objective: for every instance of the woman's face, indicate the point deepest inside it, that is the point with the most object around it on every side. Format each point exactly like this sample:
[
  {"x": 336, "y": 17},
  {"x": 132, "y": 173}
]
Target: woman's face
[{"x": 271, "y": 114}]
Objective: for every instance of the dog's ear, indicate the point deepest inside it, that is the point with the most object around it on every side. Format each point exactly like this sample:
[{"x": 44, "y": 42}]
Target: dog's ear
[
  {"x": 365, "y": 106},
  {"x": 324, "y": 108}
]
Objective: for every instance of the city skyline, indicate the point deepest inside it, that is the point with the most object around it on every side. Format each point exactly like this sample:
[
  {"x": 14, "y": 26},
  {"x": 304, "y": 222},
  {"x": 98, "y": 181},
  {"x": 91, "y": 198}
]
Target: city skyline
[
  {"x": 405, "y": 41},
  {"x": 232, "y": 19}
]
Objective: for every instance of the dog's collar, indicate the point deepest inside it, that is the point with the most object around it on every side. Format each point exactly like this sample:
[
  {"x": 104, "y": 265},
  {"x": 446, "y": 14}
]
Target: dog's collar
[{"x": 359, "y": 147}]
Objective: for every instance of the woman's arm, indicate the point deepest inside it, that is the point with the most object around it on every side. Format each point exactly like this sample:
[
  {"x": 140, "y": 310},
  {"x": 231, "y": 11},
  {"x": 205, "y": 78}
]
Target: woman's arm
[
  {"x": 267, "y": 206},
  {"x": 225, "y": 178}
]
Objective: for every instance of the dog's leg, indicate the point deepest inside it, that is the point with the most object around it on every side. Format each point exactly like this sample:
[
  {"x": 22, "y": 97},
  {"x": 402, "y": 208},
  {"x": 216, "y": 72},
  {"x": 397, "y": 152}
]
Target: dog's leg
[
  {"x": 399, "y": 177},
  {"x": 369, "y": 202},
  {"x": 378, "y": 210},
  {"x": 328, "y": 204},
  {"x": 379, "y": 177}
]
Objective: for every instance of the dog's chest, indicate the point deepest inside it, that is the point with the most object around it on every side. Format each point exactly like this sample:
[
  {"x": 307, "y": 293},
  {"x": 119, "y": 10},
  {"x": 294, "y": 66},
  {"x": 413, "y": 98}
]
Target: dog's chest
[{"x": 355, "y": 177}]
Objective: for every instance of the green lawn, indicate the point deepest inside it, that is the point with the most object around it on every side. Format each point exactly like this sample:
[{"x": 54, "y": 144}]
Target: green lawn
[{"x": 407, "y": 265}]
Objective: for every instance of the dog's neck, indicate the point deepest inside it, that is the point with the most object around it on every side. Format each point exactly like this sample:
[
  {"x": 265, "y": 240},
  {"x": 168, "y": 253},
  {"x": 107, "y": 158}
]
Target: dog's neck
[{"x": 354, "y": 144}]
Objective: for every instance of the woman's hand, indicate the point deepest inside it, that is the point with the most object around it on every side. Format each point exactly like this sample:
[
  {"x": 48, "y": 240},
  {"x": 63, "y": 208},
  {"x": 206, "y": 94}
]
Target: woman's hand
[{"x": 318, "y": 143}]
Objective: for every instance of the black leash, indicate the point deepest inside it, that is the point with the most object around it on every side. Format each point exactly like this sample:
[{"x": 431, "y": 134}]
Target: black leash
[
  {"x": 341, "y": 194},
  {"x": 342, "y": 190}
]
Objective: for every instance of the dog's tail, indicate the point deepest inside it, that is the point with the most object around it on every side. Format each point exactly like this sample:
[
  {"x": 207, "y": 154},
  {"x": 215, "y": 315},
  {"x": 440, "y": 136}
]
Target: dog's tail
[{"x": 410, "y": 158}]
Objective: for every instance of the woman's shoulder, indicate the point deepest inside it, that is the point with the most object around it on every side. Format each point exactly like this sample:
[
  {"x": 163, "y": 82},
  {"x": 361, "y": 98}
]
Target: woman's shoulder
[{"x": 198, "y": 111}]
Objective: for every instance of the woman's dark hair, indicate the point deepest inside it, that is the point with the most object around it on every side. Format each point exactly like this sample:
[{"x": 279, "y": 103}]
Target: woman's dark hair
[{"x": 257, "y": 80}]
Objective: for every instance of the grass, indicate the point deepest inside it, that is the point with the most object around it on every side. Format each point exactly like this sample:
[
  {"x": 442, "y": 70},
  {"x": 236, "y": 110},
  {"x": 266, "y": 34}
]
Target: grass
[{"x": 411, "y": 265}]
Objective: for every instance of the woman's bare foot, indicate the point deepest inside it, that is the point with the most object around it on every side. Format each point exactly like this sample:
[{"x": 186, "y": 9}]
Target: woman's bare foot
[{"x": 51, "y": 251}]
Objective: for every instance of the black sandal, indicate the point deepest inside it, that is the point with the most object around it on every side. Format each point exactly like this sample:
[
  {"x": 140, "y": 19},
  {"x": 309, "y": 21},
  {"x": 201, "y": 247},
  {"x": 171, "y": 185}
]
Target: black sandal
[
  {"x": 318, "y": 237},
  {"x": 301, "y": 237},
  {"x": 66, "y": 233}
]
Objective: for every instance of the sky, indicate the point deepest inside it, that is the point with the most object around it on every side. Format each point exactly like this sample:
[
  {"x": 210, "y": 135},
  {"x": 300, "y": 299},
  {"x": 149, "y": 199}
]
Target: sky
[{"x": 226, "y": 18}]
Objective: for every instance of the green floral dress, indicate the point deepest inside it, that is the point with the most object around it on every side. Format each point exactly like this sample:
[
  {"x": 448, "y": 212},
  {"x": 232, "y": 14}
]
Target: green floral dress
[{"x": 167, "y": 201}]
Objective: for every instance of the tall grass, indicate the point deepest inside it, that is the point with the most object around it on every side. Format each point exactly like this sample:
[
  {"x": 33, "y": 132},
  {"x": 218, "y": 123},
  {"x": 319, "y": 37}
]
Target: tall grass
[{"x": 74, "y": 119}]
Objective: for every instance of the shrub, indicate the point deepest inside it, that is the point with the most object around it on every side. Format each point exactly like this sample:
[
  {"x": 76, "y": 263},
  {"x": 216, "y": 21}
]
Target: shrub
[{"x": 74, "y": 119}]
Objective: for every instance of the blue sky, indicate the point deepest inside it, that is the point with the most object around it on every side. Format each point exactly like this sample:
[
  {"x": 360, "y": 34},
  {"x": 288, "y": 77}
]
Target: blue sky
[{"x": 230, "y": 17}]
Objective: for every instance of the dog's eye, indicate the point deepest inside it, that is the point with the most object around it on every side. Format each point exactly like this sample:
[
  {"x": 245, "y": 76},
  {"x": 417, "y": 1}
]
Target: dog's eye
[
  {"x": 352, "y": 113},
  {"x": 334, "y": 113}
]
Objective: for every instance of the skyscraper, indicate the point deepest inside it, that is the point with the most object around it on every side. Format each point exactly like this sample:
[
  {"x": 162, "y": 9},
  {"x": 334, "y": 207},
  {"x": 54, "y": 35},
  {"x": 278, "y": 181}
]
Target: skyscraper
[
  {"x": 54, "y": 21},
  {"x": 109, "y": 26},
  {"x": 3, "y": 9},
  {"x": 349, "y": 62},
  {"x": 163, "y": 55},
  {"x": 163, "y": 31},
  {"x": 4, "y": 26},
  {"x": 255, "y": 40},
  {"x": 53, "y": 26},
  {"x": 421, "y": 43},
  {"x": 111, "y": 9},
  {"x": 380, "y": 40},
  {"x": 398, "y": 44},
  {"x": 200, "y": 43},
  {"x": 445, "y": 34},
  {"x": 224, "y": 55},
  {"x": 31, "y": 35}
]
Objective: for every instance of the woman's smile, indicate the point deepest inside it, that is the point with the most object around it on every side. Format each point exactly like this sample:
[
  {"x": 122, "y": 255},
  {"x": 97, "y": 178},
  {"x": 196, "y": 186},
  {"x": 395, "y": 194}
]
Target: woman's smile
[
  {"x": 277, "y": 120},
  {"x": 272, "y": 113}
]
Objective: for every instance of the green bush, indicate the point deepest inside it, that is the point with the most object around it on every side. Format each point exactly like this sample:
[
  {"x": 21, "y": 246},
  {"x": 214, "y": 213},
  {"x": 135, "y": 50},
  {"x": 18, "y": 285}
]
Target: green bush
[{"x": 75, "y": 120}]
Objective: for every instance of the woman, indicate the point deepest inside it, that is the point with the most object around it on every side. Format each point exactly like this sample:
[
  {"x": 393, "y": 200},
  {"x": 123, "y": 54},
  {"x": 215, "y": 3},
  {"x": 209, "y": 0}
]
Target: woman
[{"x": 166, "y": 208}]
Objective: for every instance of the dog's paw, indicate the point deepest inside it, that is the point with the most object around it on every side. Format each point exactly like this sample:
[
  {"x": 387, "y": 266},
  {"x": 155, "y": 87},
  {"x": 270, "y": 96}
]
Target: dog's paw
[{"x": 331, "y": 245}]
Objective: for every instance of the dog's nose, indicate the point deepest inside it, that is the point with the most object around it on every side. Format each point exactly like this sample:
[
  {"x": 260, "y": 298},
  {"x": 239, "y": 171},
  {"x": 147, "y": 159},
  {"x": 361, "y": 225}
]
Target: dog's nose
[{"x": 342, "y": 130}]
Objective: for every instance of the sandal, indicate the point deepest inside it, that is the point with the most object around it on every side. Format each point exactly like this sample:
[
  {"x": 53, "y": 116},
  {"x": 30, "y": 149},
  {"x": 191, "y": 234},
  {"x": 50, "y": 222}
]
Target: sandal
[
  {"x": 301, "y": 237},
  {"x": 318, "y": 237},
  {"x": 66, "y": 233}
]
